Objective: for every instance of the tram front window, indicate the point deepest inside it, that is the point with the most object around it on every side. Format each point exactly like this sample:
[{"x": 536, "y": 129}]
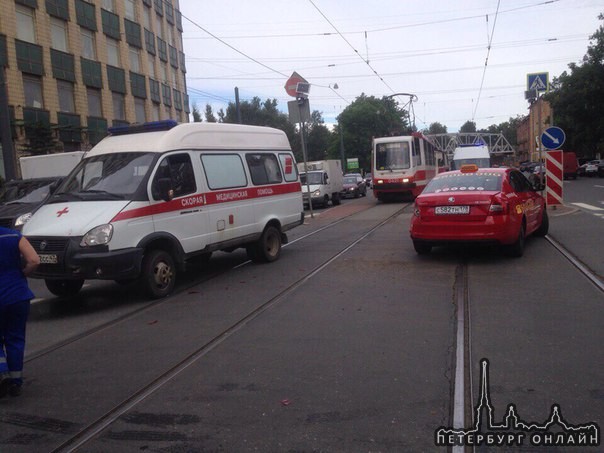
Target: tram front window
[{"x": 392, "y": 156}]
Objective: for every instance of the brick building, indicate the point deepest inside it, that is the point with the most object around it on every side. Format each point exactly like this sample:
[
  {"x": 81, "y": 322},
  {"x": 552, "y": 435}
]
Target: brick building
[
  {"x": 528, "y": 132},
  {"x": 77, "y": 67}
]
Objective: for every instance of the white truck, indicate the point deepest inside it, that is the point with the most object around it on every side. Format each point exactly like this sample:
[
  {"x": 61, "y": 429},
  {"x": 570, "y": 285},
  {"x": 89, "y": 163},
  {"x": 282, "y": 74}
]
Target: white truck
[
  {"x": 471, "y": 154},
  {"x": 49, "y": 165},
  {"x": 324, "y": 181}
]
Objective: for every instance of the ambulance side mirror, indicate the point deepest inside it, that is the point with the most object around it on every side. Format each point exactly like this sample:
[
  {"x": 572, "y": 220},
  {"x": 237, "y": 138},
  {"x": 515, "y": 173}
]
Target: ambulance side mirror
[{"x": 164, "y": 186}]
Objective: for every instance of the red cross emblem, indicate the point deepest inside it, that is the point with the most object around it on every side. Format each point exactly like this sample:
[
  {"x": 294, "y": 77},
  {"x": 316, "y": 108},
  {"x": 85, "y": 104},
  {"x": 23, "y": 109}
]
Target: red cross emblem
[{"x": 62, "y": 211}]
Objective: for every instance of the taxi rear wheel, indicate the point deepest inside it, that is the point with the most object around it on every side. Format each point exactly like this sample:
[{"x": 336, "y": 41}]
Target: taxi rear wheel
[
  {"x": 544, "y": 227},
  {"x": 158, "y": 274},
  {"x": 64, "y": 288},
  {"x": 517, "y": 248}
]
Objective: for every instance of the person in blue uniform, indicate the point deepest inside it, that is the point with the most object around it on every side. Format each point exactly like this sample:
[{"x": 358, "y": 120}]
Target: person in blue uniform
[{"x": 18, "y": 259}]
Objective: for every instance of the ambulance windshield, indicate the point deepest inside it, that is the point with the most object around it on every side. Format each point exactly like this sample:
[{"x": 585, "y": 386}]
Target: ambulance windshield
[{"x": 114, "y": 176}]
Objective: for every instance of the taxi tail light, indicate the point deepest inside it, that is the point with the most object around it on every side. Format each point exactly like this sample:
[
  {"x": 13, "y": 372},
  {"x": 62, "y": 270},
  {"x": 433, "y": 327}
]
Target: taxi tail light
[{"x": 498, "y": 205}]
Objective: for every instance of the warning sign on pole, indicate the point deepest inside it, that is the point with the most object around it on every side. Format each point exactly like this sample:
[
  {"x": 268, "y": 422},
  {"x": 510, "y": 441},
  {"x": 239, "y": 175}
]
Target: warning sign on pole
[{"x": 554, "y": 174}]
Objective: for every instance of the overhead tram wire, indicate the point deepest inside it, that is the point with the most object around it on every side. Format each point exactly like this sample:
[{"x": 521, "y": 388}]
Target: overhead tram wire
[
  {"x": 486, "y": 62},
  {"x": 351, "y": 46}
]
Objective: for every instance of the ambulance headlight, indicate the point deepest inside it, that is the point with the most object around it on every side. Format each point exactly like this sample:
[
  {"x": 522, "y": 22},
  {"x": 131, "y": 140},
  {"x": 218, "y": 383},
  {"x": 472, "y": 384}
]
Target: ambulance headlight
[
  {"x": 22, "y": 219},
  {"x": 100, "y": 235}
]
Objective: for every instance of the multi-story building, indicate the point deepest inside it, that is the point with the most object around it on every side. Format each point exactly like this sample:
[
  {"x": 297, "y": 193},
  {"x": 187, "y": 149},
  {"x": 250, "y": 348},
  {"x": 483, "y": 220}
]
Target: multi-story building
[
  {"x": 530, "y": 129},
  {"x": 77, "y": 67}
]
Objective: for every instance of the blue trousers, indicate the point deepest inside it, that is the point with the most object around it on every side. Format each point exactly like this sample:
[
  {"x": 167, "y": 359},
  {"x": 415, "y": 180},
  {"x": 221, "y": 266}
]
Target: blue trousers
[{"x": 13, "y": 318}]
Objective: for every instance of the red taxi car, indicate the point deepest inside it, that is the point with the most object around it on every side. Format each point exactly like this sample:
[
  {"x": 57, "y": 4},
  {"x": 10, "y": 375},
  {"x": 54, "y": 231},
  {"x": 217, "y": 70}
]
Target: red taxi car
[{"x": 472, "y": 205}]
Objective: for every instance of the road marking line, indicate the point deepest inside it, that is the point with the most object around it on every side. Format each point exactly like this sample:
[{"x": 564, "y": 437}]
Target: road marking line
[
  {"x": 459, "y": 396},
  {"x": 588, "y": 206}
]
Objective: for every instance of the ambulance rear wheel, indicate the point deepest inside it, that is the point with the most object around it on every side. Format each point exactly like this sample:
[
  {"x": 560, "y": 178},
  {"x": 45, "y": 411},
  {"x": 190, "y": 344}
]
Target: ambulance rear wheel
[
  {"x": 64, "y": 288},
  {"x": 268, "y": 248},
  {"x": 158, "y": 274}
]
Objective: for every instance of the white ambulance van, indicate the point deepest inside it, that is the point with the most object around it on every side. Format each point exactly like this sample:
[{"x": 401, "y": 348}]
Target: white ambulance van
[{"x": 148, "y": 197}]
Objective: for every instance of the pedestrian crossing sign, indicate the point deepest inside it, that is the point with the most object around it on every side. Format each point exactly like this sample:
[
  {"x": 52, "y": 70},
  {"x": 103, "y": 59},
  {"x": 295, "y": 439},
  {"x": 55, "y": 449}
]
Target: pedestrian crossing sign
[{"x": 538, "y": 81}]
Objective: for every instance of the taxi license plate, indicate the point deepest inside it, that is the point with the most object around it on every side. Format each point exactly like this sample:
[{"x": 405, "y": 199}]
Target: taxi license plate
[
  {"x": 48, "y": 259},
  {"x": 441, "y": 210}
]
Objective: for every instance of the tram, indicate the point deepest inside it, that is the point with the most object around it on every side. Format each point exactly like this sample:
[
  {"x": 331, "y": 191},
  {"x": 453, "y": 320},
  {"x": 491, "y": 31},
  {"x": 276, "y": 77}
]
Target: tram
[{"x": 402, "y": 166}]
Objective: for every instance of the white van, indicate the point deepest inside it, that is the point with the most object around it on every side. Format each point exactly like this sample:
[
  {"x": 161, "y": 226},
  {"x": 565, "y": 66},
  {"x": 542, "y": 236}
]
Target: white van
[
  {"x": 471, "y": 154},
  {"x": 148, "y": 197}
]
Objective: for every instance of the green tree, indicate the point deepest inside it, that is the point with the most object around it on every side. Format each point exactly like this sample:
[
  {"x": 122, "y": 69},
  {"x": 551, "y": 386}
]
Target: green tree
[
  {"x": 507, "y": 129},
  {"x": 41, "y": 140},
  {"x": 367, "y": 117},
  {"x": 196, "y": 114},
  {"x": 436, "y": 128},
  {"x": 468, "y": 126},
  {"x": 577, "y": 98},
  {"x": 210, "y": 118}
]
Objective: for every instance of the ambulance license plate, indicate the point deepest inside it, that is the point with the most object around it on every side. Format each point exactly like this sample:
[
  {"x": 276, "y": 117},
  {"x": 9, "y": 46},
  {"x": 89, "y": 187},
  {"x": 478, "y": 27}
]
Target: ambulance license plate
[
  {"x": 48, "y": 259},
  {"x": 440, "y": 210}
]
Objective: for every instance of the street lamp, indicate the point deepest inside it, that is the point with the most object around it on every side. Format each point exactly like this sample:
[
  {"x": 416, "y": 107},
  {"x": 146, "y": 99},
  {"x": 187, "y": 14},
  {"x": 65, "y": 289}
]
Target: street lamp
[{"x": 333, "y": 88}]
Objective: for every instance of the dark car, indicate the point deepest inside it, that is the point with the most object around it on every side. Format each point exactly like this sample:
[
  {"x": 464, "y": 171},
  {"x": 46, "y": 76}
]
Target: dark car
[
  {"x": 20, "y": 197},
  {"x": 354, "y": 186}
]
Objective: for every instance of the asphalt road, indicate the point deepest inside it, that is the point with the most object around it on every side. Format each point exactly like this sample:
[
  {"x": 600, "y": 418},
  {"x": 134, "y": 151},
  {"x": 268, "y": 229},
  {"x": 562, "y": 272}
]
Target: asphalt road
[{"x": 351, "y": 345}]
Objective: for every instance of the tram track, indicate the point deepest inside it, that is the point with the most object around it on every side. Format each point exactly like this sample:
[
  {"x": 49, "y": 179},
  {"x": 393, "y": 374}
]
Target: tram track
[
  {"x": 94, "y": 428},
  {"x": 462, "y": 403}
]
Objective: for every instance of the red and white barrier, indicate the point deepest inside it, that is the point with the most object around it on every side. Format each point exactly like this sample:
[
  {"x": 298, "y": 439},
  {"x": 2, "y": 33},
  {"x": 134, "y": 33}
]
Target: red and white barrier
[{"x": 554, "y": 175}]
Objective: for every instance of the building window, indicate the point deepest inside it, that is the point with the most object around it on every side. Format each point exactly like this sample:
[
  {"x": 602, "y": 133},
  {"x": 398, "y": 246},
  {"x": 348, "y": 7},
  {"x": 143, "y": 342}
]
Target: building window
[
  {"x": 63, "y": 66},
  {"x": 130, "y": 10},
  {"x": 32, "y": 87},
  {"x": 111, "y": 24},
  {"x": 109, "y": 5},
  {"x": 139, "y": 110},
  {"x": 65, "y": 91},
  {"x": 151, "y": 67},
  {"x": 166, "y": 95},
  {"x": 58, "y": 8},
  {"x": 147, "y": 17},
  {"x": 58, "y": 34},
  {"x": 174, "y": 78},
  {"x": 119, "y": 111},
  {"x": 94, "y": 102},
  {"x": 150, "y": 42},
  {"x": 164, "y": 72},
  {"x": 25, "y": 23},
  {"x": 133, "y": 33},
  {"x": 88, "y": 44},
  {"x": 159, "y": 27},
  {"x": 155, "y": 112},
  {"x": 116, "y": 78},
  {"x": 138, "y": 85},
  {"x": 91, "y": 73},
  {"x": 29, "y": 57},
  {"x": 135, "y": 59},
  {"x": 85, "y": 14},
  {"x": 162, "y": 49},
  {"x": 113, "y": 52},
  {"x": 154, "y": 91}
]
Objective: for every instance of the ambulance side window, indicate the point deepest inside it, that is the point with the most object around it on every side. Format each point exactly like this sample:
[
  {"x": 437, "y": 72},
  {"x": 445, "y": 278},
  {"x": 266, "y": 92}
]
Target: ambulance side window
[
  {"x": 264, "y": 168},
  {"x": 179, "y": 170},
  {"x": 223, "y": 171},
  {"x": 288, "y": 164}
]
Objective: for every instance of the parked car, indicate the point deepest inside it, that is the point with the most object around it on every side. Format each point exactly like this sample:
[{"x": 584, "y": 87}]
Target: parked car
[
  {"x": 20, "y": 197},
  {"x": 472, "y": 205},
  {"x": 591, "y": 168},
  {"x": 354, "y": 186}
]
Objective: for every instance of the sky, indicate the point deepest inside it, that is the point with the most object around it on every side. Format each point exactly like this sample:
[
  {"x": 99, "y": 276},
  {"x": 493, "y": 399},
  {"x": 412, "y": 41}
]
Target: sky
[{"x": 457, "y": 60}]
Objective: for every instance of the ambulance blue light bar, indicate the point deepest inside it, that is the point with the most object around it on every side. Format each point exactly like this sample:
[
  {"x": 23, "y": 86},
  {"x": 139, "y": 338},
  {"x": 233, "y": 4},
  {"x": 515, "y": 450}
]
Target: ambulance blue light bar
[{"x": 153, "y": 126}]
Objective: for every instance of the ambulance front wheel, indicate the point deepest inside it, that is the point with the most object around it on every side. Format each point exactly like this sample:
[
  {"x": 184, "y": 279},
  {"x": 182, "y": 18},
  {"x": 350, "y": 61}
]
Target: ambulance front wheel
[
  {"x": 268, "y": 248},
  {"x": 64, "y": 288},
  {"x": 158, "y": 273}
]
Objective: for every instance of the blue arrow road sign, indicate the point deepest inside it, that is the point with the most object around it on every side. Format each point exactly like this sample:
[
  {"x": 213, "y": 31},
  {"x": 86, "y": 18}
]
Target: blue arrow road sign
[{"x": 553, "y": 138}]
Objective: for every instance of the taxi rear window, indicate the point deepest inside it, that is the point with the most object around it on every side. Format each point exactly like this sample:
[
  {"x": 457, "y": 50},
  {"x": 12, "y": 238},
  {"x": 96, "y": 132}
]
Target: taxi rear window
[{"x": 465, "y": 182}]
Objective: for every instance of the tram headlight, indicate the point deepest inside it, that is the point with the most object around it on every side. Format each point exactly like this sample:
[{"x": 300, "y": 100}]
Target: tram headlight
[
  {"x": 380, "y": 181},
  {"x": 405, "y": 180}
]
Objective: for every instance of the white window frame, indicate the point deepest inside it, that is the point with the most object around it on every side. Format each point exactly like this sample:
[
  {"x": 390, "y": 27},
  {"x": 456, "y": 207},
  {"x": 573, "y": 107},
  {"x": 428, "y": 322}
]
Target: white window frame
[
  {"x": 139, "y": 110},
  {"x": 58, "y": 34},
  {"x": 26, "y": 27},
  {"x": 34, "y": 94},
  {"x": 65, "y": 92},
  {"x": 88, "y": 43},
  {"x": 113, "y": 52},
  {"x": 130, "y": 10},
  {"x": 135, "y": 59},
  {"x": 119, "y": 106},
  {"x": 95, "y": 95}
]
